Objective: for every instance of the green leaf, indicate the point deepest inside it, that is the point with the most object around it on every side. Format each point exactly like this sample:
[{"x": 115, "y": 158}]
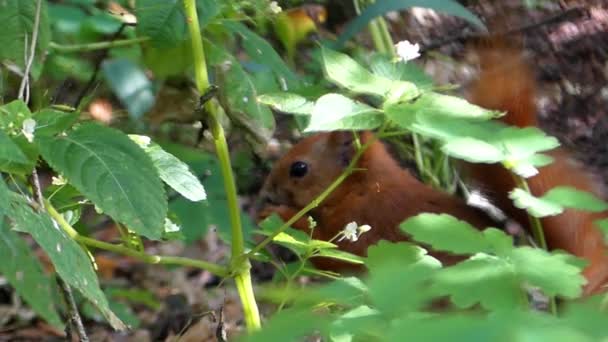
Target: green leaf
[
  {"x": 174, "y": 172},
  {"x": 360, "y": 321},
  {"x": 168, "y": 61},
  {"x": 554, "y": 273},
  {"x": 11, "y": 156},
  {"x": 260, "y": 51},
  {"x": 24, "y": 272},
  {"x": 537, "y": 207},
  {"x": 207, "y": 11},
  {"x": 70, "y": 261},
  {"x": 163, "y": 21},
  {"x": 337, "y": 112},
  {"x": 12, "y": 116},
  {"x": 435, "y": 104},
  {"x": 129, "y": 82},
  {"x": 290, "y": 325},
  {"x": 382, "y": 7},
  {"x": 113, "y": 172},
  {"x": 197, "y": 217},
  {"x": 288, "y": 103},
  {"x": 446, "y": 233},
  {"x": 346, "y": 72},
  {"x": 50, "y": 122},
  {"x": 573, "y": 198},
  {"x": 4, "y": 203},
  {"x": 337, "y": 254},
  {"x": 238, "y": 95},
  {"x": 17, "y": 18},
  {"x": 483, "y": 279},
  {"x": 383, "y": 66},
  {"x": 472, "y": 150},
  {"x": 522, "y": 143},
  {"x": 403, "y": 253}
]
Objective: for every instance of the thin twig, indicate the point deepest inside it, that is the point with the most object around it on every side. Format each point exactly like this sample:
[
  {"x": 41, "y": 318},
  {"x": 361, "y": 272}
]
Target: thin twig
[
  {"x": 74, "y": 319},
  {"x": 568, "y": 14},
  {"x": 30, "y": 56}
]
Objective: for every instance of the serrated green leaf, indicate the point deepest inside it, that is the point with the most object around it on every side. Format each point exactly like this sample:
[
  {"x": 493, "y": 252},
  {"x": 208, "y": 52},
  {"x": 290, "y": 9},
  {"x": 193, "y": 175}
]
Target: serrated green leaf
[
  {"x": 17, "y": 18},
  {"x": 168, "y": 61},
  {"x": 12, "y": 116},
  {"x": 337, "y": 112},
  {"x": 25, "y": 274},
  {"x": 113, "y": 172},
  {"x": 4, "y": 203},
  {"x": 70, "y": 261},
  {"x": 362, "y": 321},
  {"x": 11, "y": 156},
  {"x": 573, "y": 198},
  {"x": 396, "y": 289},
  {"x": 403, "y": 253},
  {"x": 483, "y": 279},
  {"x": 163, "y": 21},
  {"x": 238, "y": 95},
  {"x": 472, "y": 150},
  {"x": 290, "y": 325},
  {"x": 435, "y": 104},
  {"x": 554, "y": 273},
  {"x": 446, "y": 233},
  {"x": 537, "y": 207},
  {"x": 176, "y": 173},
  {"x": 130, "y": 84},
  {"x": 383, "y": 66},
  {"x": 262, "y": 52},
  {"x": 197, "y": 217},
  {"x": 382, "y": 7},
  {"x": 519, "y": 143},
  {"x": 288, "y": 103},
  {"x": 346, "y": 72},
  {"x": 50, "y": 122}
]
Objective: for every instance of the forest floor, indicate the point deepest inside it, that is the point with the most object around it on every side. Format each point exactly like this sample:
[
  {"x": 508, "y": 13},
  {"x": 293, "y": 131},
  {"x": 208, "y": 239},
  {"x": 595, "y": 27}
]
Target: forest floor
[{"x": 568, "y": 46}]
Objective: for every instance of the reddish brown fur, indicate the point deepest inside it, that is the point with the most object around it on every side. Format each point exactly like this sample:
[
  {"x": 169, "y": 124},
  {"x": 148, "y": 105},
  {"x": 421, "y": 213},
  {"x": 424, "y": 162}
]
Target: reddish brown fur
[
  {"x": 506, "y": 83},
  {"x": 382, "y": 195}
]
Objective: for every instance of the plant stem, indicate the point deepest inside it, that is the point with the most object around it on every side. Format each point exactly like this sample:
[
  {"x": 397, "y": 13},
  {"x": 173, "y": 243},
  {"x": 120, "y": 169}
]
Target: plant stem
[
  {"x": 535, "y": 224},
  {"x": 120, "y": 249},
  {"x": 238, "y": 266},
  {"x": 537, "y": 232},
  {"x": 96, "y": 46}
]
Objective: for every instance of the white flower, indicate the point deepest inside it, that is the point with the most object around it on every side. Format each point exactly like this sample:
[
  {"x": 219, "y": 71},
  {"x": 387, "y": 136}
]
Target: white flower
[
  {"x": 274, "y": 7},
  {"x": 350, "y": 232},
  {"x": 364, "y": 229},
  {"x": 407, "y": 51},
  {"x": 29, "y": 126}
]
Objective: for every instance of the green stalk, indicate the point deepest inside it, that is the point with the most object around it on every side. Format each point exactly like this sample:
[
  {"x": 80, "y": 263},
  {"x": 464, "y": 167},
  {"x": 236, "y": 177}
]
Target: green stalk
[
  {"x": 120, "y": 249},
  {"x": 239, "y": 266},
  {"x": 96, "y": 46},
  {"x": 537, "y": 232}
]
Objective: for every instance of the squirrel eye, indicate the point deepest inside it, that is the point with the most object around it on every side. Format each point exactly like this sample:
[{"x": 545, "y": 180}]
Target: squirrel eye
[{"x": 298, "y": 169}]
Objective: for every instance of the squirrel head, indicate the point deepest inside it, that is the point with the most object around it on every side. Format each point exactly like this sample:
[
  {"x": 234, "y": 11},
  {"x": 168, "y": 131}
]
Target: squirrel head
[{"x": 309, "y": 168}]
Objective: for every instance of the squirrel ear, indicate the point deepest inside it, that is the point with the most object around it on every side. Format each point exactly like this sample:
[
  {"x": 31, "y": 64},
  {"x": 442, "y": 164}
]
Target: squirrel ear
[{"x": 344, "y": 144}]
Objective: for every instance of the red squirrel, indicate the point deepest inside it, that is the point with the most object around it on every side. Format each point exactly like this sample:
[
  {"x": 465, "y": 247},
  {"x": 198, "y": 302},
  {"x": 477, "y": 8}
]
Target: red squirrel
[
  {"x": 506, "y": 83},
  {"x": 383, "y": 194}
]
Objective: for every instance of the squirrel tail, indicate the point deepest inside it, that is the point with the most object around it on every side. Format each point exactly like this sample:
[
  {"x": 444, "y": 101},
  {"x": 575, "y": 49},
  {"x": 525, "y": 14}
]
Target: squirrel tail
[{"x": 506, "y": 83}]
